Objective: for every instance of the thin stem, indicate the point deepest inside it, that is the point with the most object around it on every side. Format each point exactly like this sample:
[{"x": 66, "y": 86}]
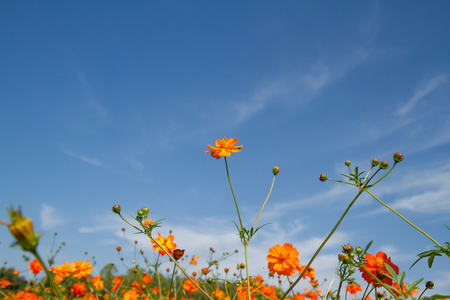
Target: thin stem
[
  {"x": 178, "y": 265},
  {"x": 49, "y": 275},
  {"x": 388, "y": 288},
  {"x": 342, "y": 181},
  {"x": 246, "y": 271},
  {"x": 267, "y": 198},
  {"x": 384, "y": 174},
  {"x": 322, "y": 245},
  {"x": 406, "y": 220},
  {"x": 232, "y": 191}
]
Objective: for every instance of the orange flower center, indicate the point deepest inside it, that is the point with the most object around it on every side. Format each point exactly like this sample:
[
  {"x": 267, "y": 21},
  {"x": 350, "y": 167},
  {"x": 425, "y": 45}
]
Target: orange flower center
[{"x": 284, "y": 254}]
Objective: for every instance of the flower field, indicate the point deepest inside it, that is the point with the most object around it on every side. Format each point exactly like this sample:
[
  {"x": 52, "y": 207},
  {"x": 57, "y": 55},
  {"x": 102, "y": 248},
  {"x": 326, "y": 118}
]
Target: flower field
[{"x": 360, "y": 274}]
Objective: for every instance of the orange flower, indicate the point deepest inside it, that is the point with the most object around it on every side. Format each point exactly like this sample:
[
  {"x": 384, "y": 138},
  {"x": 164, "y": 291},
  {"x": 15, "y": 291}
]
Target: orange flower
[
  {"x": 205, "y": 271},
  {"x": 131, "y": 295},
  {"x": 61, "y": 272},
  {"x": 283, "y": 259},
  {"x": 146, "y": 279},
  {"x": 219, "y": 294},
  {"x": 309, "y": 273},
  {"x": 399, "y": 293},
  {"x": 375, "y": 265},
  {"x": 242, "y": 293},
  {"x": 189, "y": 287},
  {"x": 193, "y": 260},
  {"x": 78, "y": 289},
  {"x": 167, "y": 243},
  {"x": 4, "y": 283},
  {"x": 224, "y": 147},
  {"x": 81, "y": 269},
  {"x": 116, "y": 282},
  {"x": 312, "y": 295},
  {"x": 137, "y": 286},
  {"x": 97, "y": 282},
  {"x": 147, "y": 222},
  {"x": 353, "y": 288},
  {"x": 22, "y": 229},
  {"x": 35, "y": 266}
]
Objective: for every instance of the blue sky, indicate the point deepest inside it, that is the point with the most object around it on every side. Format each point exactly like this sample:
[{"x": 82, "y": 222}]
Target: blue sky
[{"x": 112, "y": 102}]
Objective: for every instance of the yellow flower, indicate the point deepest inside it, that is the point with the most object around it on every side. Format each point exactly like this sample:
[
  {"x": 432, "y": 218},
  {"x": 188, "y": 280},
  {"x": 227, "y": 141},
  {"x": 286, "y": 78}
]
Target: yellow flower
[
  {"x": 224, "y": 147},
  {"x": 81, "y": 269},
  {"x": 166, "y": 242},
  {"x": 22, "y": 230}
]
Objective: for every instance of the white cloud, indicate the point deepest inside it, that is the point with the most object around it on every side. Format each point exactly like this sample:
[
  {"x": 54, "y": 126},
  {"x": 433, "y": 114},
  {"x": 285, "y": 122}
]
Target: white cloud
[
  {"x": 425, "y": 190},
  {"x": 50, "y": 218},
  {"x": 89, "y": 160},
  {"x": 422, "y": 92}
]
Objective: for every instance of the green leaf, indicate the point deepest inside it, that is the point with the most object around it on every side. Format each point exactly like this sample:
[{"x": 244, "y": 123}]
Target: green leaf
[
  {"x": 368, "y": 246},
  {"x": 391, "y": 272}
]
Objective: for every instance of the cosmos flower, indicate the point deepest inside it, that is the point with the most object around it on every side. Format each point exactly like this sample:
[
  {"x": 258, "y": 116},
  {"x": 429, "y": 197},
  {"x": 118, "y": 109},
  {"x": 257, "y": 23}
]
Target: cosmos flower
[
  {"x": 166, "y": 242},
  {"x": 283, "y": 259},
  {"x": 375, "y": 265},
  {"x": 224, "y": 147}
]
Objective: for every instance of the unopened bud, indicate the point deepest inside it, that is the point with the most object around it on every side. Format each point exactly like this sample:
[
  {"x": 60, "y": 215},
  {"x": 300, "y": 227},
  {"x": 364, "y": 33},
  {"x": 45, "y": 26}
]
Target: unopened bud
[
  {"x": 178, "y": 253},
  {"x": 347, "y": 248},
  {"x": 429, "y": 284},
  {"x": 145, "y": 210},
  {"x": 116, "y": 209},
  {"x": 358, "y": 250},
  {"x": 398, "y": 157},
  {"x": 140, "y": 213},
  {"x": 380, "y": 295},
  {"x": 375, "y": 162},
  {"x": 276, "y": 170},
  {"x": 384, "y": 164},
  {"x": 348, "y": 163},
  {"x": 323, "y": 177}
]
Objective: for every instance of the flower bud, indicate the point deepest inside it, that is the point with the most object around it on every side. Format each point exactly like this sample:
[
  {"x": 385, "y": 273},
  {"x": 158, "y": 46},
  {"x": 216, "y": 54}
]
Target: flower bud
[
  {"x": 429, "y": 284},
  {"x": 116, "y": 209},
  {"x": 398, "y": 157},
  {"x": 140, "y": 213},
  {"x": 347, "y": 248},
  {"x": 358, "y": 250},
  {"x": 178, "y": 253},
  {"x": 118, "y": 248},
  {"x": 384, "y": 164},
  {"x": 380, "y": 295},
  {"x": 145, "y": 210},
  {"x": 22, "y": 230},
  {"x": 276, "y": 170},
  {"x": 323, "y": 177},
  {"x": 226, "y": 270},
  {"x": 348, "y": 163},
  {"x": 375, "y": 162}
]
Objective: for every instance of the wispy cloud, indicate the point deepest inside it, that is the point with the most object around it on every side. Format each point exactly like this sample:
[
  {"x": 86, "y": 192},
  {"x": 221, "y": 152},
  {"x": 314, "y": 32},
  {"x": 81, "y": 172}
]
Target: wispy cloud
[
  {"x": 89, "y": 160},
  {"x": 422, "y": 92},
  {"x": 50, "y": 218},
  {"x": 423, "y": 190},
  {"x": 93, "y": 102}
]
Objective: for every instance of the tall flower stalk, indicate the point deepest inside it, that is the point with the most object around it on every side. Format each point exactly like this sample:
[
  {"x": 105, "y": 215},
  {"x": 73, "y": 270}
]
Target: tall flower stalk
[{"x": 223, "y": 148}]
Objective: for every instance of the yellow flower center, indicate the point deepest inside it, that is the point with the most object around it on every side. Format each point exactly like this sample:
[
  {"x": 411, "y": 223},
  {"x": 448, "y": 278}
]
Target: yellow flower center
[
  {"x": 283, "y": 254},
  {"x": 379, "y": 262}
]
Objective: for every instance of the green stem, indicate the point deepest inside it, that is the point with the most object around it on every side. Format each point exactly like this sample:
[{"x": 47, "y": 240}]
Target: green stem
[
  {"x": 267, "y": 198},
  {"x": 404, "y": 219},
  {"x": 322, "y": 245},
  {"x": 384, "y": 174},
  {"x": 49, "y": 275},
  {"x": 388, "y": 288},
  {"x": 232, "y": 191},
  {"x": 246, "y": 271},
  {"x": 179, "y": 267},
  {"x": 342, "y": 181}
]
